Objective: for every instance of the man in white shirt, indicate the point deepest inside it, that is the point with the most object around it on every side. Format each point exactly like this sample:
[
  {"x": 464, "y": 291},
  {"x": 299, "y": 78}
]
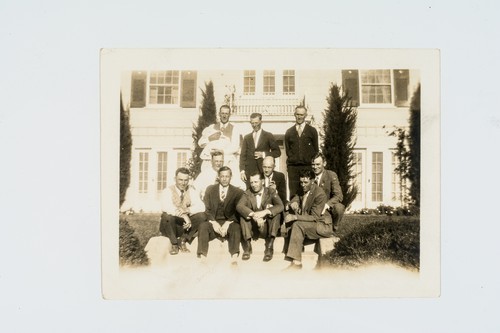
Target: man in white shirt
[
  {"x": 210, "y": 176},
  {"x": 182, "y": 212},
  {"x": 223, "y": 136}
]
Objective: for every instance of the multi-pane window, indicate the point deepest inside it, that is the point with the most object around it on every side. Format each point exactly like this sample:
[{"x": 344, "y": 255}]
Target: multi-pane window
[
  {"x": 396, "y": 179},
  {"x": 377, "y": 179},
  {"x": 164, "y": 87},
  {"x": 269, "y": 82},
  {"x": 161, "y": 177},
  {"x": 376, "y": 86},
  {"x": 358, "y": 172},
  {"x": 288, "y": 82},
  {"x": 143, "y": 172},
  {"x": 249, "y": 82},
  {"x": 182, "y": 158}
]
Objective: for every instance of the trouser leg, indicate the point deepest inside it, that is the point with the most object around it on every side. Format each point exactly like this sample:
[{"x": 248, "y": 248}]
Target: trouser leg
[
  {"x": 196, "y": 220},
  {"x": 168, "y": 227},
  {"x": 337, "y": 212},
  {"x": 205, "y": 234},
  {"x": 234, "y": 238}
]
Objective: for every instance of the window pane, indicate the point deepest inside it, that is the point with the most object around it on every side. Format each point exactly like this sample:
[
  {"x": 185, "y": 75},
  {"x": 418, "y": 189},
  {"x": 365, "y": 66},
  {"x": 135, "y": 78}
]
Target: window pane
[
  {"x": 164, "y": 87},
  {"x": 143, "y": 172},
  {"x": 376, "y": 86},
  {"x": 377, "y": 179},
  {"x": 162, "y": 171},
  {"x": 288, "y": 81}
]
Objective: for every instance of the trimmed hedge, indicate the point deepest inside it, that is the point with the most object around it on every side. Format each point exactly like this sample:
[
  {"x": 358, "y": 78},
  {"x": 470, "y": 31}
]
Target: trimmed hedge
[
  {"x": 388, "y": 241},
  {"x": 131, "y": 251}
]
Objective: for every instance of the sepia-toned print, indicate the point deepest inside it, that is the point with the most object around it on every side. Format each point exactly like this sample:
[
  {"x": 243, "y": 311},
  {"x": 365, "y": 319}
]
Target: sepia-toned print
[{"x": 260, "y": 173}]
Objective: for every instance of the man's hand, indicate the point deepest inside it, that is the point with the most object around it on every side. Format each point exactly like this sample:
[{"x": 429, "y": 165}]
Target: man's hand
[
  {"x": 259, "y": 154},
  {"x": 224, "y": 228},
  {"x": 187, "y": 222},
  {"x": 260, "y": 222},
  {"x": 294, "y": 206},
  {"x": 243, "y": 176},
  {"x": 216, "y": 226},
  {"x": 290, "y": 218},
  {"x": 273, "y": 186},
  {"x": 261, "y": 214}
]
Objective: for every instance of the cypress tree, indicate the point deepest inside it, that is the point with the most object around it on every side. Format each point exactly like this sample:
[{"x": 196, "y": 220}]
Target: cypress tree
[
  {"x": 414, "y": 148},
  {"x": 125, "y": 151},
  {"x": 339, "y": 124},
  {"x": 207, "y": 117}
]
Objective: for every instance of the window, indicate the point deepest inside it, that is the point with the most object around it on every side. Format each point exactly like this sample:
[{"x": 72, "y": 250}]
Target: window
[
  {"x": 269, "y": 83},
  {"x": 288, "y": 82},
  {"x": 249, "y": 83},
  {"x": 358, "y": 172},
  {"x": 143, "y": 172},
  {"x": 182, "y": 158},
  {"x": 164, "y": 87},
  {"x": 376, "y": 86},
  {"x": 396, "y": 179},
  {"x": 161, "y": 177},
  {"x": 377, "y": 180}
]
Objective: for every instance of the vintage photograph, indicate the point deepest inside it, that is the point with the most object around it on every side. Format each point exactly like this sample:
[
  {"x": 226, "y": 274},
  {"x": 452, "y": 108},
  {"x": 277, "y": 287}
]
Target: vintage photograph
[{"x": 270, "y": 173}]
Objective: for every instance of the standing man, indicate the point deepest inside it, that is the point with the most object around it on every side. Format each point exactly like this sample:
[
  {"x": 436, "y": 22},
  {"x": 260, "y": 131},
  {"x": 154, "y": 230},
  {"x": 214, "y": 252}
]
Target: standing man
[
  {"x": 220, "y": 201},
  {"x": 329, "y": 182},
  {"x": 260, "y": 209},
  {"x": 255, "y": 147},
  {"x": 223, "y": 136},
  {"x": 274, "y": 179},
  {"x": 182, "y": 212},
  {"x": 307, "y": 218},
  {"x": 301, "y": 144}
]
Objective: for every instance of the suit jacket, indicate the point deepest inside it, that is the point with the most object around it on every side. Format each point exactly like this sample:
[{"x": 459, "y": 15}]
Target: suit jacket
[
  {"x": 314, "y": 205},
  {"x": 329, "y": 182},
  {"x": 280, "y": 181},
  {"x": 267, "y": 143},
  {"x": 212, "y": 200},
  {"x": 248, "y": 203},
  {"x": 300, "y": 150}
]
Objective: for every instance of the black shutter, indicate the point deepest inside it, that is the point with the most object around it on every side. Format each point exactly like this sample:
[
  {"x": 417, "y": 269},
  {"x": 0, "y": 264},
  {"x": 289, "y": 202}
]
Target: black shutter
[
  {"x": 138, "y": 93},
  {"x": 188, "y": 89},
  {"x": 401, "y": 83},
  {"x": 350, "y": 81}
]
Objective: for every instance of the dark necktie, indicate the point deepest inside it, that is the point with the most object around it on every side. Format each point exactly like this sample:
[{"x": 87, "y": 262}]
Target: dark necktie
[{"x": 182, "y": 196}]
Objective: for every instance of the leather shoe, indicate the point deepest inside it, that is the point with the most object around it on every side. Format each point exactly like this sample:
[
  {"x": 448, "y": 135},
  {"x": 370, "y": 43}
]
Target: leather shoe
[
  {"x": 174, "y": 250},
  {"x": 183, "y": 247},
  {"x": 247, "y": 251},
  {"x": 268, "y": 254}
]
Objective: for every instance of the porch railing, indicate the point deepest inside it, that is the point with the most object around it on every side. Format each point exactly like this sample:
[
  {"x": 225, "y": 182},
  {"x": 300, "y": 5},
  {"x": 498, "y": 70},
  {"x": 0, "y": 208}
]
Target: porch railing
[{"x": 268, "y": 106}]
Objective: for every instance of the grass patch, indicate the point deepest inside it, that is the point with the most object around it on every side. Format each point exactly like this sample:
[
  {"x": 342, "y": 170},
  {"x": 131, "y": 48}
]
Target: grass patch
[{"x": 378, "y": 239}]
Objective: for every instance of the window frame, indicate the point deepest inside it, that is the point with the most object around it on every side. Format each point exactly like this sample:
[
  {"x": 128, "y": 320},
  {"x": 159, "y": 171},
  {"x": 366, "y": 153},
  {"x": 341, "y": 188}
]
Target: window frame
[
  {"x": 375, "y": 84},
  {"x": 151, "y": 85}
]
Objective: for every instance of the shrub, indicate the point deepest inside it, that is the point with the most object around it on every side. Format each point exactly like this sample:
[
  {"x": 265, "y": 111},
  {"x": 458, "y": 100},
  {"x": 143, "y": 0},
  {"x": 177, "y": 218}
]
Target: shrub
[
  {"x": 388, "y": 241},
  {"x": 131, "y": 251}
]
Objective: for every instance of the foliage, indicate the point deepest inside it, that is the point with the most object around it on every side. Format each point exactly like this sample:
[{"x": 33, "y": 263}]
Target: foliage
[
  {"x": 388, "y": 210},
  {"x": 131, "y": 250},
  {"x": 402, "y": 167},
  {"x": 382, "y": 241},
  {"x": 207, "y": 117},
  {"x": 414, "y": 147},
  {"x": 339, "y": 140},
  {"x": 125, "y": 151}
]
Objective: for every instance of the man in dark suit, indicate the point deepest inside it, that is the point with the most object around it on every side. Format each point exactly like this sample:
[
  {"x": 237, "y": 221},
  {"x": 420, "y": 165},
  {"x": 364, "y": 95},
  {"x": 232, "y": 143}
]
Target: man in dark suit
[
  {"x": 255, "y": 147},
  {"x": 308, "y": 221},
  {"x": 260, "y": 209},
  {"x": 220, "y": 202},
  {"x": 329, "y": 182},
  {"x": 301, "y": 144},
  {"x": 274, "y": 179}
]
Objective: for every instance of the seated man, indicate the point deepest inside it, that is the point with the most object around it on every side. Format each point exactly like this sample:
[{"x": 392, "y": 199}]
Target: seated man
[
  {"x": 220, "y": 201},
  {"x": 329, "y": 182},
  {"x": 260, "y": 210},
  {"x": 183, "y": 211},
  {"x": 307, "y": 218},
  {"x": 274, "y": 179},
  {"x": 209, "y": 176}
]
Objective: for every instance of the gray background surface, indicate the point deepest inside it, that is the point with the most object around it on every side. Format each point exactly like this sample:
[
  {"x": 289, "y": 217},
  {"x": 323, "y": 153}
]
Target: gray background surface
[{"x": 49, "y": 133}]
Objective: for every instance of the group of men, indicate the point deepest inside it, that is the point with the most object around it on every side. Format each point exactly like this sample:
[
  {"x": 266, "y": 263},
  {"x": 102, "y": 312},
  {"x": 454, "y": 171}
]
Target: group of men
[{"x": 255, "y": 204}]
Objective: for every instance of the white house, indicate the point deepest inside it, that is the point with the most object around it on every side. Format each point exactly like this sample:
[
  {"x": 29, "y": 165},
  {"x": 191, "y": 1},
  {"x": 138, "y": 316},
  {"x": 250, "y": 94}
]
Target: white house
[{"x": 165, "y": 103}]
